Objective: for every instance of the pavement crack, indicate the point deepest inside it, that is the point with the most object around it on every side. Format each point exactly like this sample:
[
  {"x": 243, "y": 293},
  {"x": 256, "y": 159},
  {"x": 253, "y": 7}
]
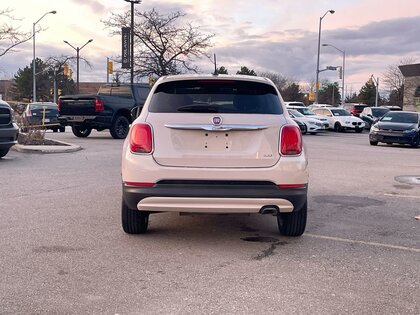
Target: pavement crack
[{"x": 269, "y": 251}]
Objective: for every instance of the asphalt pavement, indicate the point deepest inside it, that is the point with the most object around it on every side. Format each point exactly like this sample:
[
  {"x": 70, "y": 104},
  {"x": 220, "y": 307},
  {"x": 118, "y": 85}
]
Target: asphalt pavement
[{"x": 63, "y": 250}]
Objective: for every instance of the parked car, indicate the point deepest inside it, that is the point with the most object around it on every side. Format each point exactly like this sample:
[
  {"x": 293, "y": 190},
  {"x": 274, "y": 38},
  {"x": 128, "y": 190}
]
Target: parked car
[
  {"x": 310, "y": 114},
  {"x": 313, "y": 126},
  {"x": 354, "y": 108},
  {"x": 302, "y": 126},
  {"x": 295, "y": 103},
  {"x": 313, "y": 106},
  {"x": 370, "y": 114},
  {"x": 397, "y": 127},
  {"x": 214, "y": 144},
  {"x": 109, "y": 109},
  {"x": 340, "y": 120},
  {"x": 43, "y": 115},
  {"x": 8, "y": 128},
  {"x": 393, "y": 107}
]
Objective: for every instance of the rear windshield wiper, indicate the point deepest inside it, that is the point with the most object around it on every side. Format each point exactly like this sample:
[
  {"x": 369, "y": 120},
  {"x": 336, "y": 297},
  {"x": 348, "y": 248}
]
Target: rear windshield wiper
[{"x": 203, "y": 108}]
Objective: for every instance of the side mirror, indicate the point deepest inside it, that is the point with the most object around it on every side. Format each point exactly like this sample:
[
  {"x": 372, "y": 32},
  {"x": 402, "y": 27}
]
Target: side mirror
[{"x": 135, "y": 112}]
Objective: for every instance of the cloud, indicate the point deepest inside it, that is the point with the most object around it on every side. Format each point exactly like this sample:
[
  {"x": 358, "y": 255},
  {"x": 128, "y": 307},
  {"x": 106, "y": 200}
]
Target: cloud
[{"x": 94, "y": 5}]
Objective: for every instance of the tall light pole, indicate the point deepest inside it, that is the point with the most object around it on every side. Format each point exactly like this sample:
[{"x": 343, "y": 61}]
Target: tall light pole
[
  {"x": 33, "y": 60},
  {"x": 77, "y": 60},
  {"x": 377, "y": 89},
  {"x": 132, "y": 39},
  {"x": 317, "y": 60},
  {"x": 343, "y": 52}
]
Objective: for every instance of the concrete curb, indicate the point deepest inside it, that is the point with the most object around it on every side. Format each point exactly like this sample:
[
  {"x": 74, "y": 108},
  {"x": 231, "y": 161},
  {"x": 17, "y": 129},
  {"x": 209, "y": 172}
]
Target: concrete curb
[{"x": 64, "y": 148}]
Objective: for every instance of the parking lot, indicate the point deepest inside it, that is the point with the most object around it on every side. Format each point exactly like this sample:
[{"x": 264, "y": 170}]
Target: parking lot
[{"x": 63, "y": 249}]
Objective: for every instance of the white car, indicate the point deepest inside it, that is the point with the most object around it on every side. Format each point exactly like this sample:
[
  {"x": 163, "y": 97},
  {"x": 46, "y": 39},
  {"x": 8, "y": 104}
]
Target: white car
[
  {"x": 295, "y": 103},
  {"x": 310, "y": 114},
  {"x": 214, "y": 144},
  {"x": 313, "y": 106},
  {"x": 313, "y": 126},
  {"x": 340, "y": 119}
]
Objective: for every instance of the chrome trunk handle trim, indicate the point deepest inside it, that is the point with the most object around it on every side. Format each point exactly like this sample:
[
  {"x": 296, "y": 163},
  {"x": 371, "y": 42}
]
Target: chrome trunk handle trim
[{"x": 216, "y": 128}]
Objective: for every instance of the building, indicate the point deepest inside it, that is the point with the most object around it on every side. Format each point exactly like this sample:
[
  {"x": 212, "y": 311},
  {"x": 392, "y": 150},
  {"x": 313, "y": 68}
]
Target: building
[{"x": 411, "y": 75}]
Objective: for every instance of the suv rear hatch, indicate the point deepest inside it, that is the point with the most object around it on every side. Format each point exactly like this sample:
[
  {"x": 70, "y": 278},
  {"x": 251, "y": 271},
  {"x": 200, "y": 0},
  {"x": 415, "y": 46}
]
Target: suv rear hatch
[{"x": 216, "y": 123}]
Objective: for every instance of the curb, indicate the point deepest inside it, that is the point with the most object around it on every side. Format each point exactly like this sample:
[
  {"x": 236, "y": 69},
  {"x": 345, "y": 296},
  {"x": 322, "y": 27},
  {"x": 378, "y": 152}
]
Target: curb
[{"x": 63, "y": 148}]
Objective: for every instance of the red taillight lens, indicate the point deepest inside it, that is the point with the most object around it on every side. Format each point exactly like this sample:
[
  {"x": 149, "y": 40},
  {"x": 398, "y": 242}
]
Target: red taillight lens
[
  {"x": 99, "y": 105},
  {"x": 291, "y": 140},
  {"x": 58, "y": 104},
  {"x": 141, "y": 138}
]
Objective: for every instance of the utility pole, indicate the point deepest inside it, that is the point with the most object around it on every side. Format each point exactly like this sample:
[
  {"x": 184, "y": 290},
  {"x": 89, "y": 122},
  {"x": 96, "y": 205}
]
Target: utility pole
[
  {"x": 132, "y": 39},
  {"x": 377, "y": 89}
]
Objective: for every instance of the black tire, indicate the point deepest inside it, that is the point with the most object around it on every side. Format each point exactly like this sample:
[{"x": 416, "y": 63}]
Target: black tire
[
  {"x": 134, "y": 221},
  {"x": 337, "y": 127},
  {"x": 62, "y": 129},
  {"x": 294, "y": 223},
  {"x": 3, "y": 152},
  {"x": 120, "y": 127},
  {"x": 81, "y": 132},
  {"x": 55, "y": 130},
  {"x": 416, "y": 142},
  {"x": 358, "y": 130},
  {"x": 373, "y": 142},
  {"x": 313, "y": 133}
]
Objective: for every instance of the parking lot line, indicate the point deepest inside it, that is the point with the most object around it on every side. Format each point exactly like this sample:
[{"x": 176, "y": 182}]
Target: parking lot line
[
  {"x": 347, "y": 240},
  {"x": 402, "y": 196}
]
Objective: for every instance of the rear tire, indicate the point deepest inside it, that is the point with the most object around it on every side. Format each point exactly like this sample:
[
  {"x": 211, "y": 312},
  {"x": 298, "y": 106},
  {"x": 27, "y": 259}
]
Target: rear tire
[
  {"x": 81, "y": 132},
  {"x": 293, "y": 223},
  {"x": 134, "y": 221},
  {"x": 3, "y": 152},
  {"x": 120, "y": 127},
  {"x": 373, "y": 142}
]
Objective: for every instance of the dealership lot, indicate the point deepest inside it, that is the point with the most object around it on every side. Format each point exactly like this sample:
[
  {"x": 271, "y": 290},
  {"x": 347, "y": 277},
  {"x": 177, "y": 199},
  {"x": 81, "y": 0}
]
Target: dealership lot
[{"x": 63, "y": 249}]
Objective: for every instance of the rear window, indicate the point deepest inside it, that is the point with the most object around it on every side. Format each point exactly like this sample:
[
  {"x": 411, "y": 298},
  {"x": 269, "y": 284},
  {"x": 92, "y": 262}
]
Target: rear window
[{"x": 215, "y": 96}]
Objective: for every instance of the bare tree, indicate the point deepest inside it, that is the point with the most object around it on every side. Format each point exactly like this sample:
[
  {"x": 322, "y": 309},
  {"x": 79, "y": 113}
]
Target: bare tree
[
  {"x": 279, "y": 80},
  {"x": 162, "y": 44},
  {"x": 394, "y": 80},
  {"x": 10, "y": 35}
]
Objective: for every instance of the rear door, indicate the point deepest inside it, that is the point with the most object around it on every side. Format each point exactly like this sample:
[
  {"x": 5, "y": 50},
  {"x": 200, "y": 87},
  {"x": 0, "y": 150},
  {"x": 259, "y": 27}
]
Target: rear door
[{"x": 216, "y": 123}]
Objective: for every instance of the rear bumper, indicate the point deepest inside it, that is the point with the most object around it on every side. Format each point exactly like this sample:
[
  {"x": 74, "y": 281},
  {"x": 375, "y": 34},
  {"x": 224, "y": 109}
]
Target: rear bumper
[
  {"x": 8, "y": 136},
  {"x": 94, "y": 122},
  {"x": 213, "y": 197}
]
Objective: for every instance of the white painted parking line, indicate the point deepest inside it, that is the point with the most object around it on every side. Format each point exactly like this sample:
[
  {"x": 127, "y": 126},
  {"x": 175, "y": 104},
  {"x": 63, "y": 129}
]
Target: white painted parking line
[
  {"x": 347, "y": 240},
  {"x": 402, "y": 196}
]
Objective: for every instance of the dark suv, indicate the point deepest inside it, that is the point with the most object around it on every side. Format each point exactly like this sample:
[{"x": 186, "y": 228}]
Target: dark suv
[
  {"x": 354, "y": 108},
  {"x": 8, "y": 129}
]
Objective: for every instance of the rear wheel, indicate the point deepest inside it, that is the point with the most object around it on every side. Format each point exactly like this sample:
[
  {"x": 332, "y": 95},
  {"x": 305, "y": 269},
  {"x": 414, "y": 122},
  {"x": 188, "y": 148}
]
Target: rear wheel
[
  {"x": 3, "y": 152},
  {"x": 120, "y": 127},
  {"x": 337, "y": 127},
  {"x": 373, "y": 142},
  {"x": 134, "y": 221},
  {"x": 81, "y": 132},
  {"x": 293, "y": 223}
]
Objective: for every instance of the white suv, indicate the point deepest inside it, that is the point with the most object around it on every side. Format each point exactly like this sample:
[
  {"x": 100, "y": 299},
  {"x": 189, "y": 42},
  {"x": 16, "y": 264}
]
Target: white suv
[{"x": 214, "y": 144}]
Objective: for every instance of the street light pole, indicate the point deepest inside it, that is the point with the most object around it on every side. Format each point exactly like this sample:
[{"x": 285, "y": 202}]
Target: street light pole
[
  {"x": 343, "y": 52},
  {"x": 33, "y": 60},
  {"x": 377, "y": 89},
  {"x": 77, "y": 60},
  {"x": 317, "y": 60},
  {"x": 132, "y": 39}
]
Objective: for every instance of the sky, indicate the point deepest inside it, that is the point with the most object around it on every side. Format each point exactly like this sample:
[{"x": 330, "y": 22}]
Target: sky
[{"x": 266, "y": 35}]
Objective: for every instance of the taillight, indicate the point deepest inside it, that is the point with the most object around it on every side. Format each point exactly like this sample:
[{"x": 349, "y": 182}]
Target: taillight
[
  {"x": 141, "y": 138},
  {"x": 58, "y": 104},
  {"x": 291, "y": 140},
  {"x": 99, "y": 105}
]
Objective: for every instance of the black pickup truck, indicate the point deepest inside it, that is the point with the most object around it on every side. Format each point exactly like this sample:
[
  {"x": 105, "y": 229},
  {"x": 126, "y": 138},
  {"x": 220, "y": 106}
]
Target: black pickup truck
[{"x": 109, "y": 109}]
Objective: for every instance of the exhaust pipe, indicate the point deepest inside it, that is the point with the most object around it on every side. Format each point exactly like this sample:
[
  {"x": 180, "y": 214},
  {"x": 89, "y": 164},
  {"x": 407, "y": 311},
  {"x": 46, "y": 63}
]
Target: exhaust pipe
[{"x": 273, "y": 210}]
